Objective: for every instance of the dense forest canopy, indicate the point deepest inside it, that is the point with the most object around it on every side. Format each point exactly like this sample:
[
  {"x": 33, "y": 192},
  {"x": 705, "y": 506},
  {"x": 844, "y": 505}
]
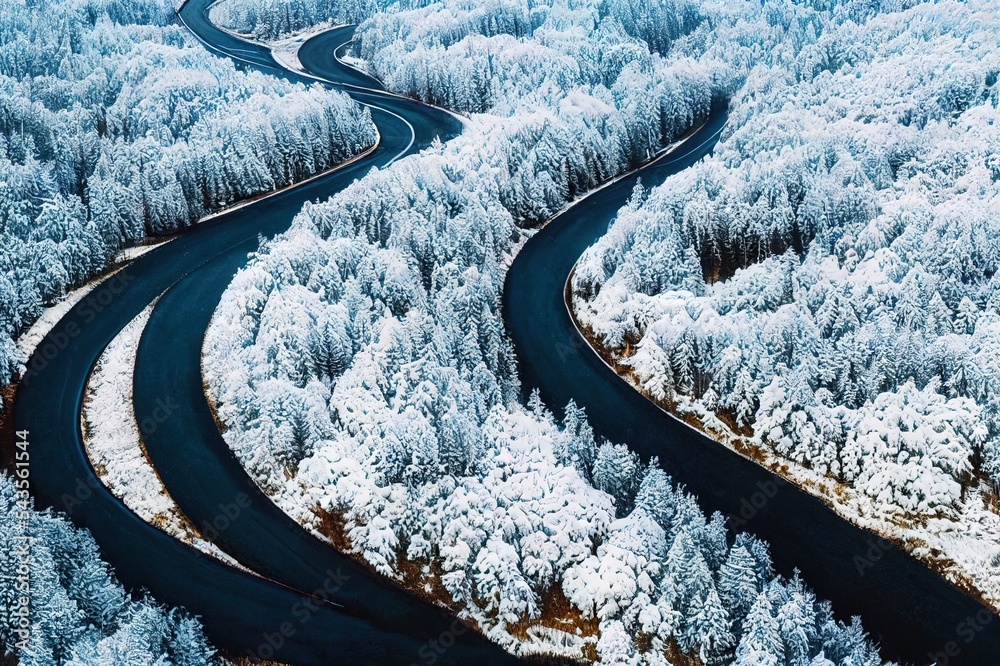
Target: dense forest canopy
[
  {"x": 826, "y": 279},
  {"x": 115, "y": 125},
  {"x": 499, "y": 56},
  {"x": 80, "y": 614},
  {"x": 274, "y": 19}
]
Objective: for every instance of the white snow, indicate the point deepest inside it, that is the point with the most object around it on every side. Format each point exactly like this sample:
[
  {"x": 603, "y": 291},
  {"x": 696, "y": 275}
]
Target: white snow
[
  {"x": 360, "y": 368},
  {"x": 111, "y": 438},
  {"x": 51, "y": 315},
  {"x": 29, "y": 340},
  {"x": 286, "y": 50}
]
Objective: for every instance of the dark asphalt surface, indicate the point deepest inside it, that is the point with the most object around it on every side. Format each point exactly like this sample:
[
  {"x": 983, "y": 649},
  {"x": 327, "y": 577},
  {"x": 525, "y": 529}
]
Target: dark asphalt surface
[{"x": 907, "y": 607}]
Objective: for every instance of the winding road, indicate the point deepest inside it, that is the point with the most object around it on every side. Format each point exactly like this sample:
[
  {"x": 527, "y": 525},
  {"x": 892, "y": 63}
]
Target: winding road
[
  {"x": 907, "y": 607},
  {"x": 371, "y": 621}
]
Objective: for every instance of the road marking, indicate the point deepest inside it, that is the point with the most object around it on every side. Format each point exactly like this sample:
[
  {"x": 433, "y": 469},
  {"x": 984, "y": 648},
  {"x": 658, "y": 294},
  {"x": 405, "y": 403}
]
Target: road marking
[{"x": 226, "y": 53}]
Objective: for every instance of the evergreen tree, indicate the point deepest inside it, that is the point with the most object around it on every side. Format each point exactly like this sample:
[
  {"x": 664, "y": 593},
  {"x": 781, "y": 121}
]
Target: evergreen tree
[
  {"x": 581, "y": 448},
  {"x": 760, "y": 644},
  {"x": 708, "y": 631},
  {"x": 617, "y": 471},
  {"x": 656, "y": 496},
  {"x": 738, "y": 582}
]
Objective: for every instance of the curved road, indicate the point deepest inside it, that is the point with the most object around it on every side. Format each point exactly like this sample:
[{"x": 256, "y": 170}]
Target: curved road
[
  {"x": 242, "y": 613},
  {"x": 908, "y": 608}
]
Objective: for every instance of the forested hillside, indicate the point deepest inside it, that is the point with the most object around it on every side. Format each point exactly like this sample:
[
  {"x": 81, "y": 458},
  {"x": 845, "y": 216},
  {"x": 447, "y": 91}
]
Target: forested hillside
[
  {"x": 116, "y": 124},
  {"x": 360, "y": 366},
  {"x": 826, "y": 283},
  {"x": 80, "y": 614}
]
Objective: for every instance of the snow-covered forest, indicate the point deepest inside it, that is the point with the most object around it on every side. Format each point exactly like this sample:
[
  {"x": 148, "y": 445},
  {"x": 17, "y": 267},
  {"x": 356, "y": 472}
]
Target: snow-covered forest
[
  {"x": 81, "y": 615},
  {"x": 360, "y": 366},
  {"x": 499, "y": 56},
  {"x": 822, "y": 287},
  {"x": 116, "y": 124},
  {"x": 271, "y": 19},
  {"x": 825, "y": 284}
]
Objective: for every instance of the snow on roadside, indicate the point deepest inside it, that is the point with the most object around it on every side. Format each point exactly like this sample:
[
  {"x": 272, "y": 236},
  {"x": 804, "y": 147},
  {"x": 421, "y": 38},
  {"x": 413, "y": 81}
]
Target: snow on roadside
[
  {"x": 356, "y": 63},
  {"x": 286, "y": 51},
  {"x": 111, "y": 439},
  {"x": 30, "y": 339}
]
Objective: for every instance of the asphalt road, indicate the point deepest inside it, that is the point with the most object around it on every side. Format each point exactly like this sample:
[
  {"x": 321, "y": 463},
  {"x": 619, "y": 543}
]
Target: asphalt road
[{"x": 908, "y": 608}]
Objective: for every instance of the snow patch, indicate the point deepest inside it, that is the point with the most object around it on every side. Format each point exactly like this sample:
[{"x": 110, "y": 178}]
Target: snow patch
[{"x": 114, "y": 447}]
